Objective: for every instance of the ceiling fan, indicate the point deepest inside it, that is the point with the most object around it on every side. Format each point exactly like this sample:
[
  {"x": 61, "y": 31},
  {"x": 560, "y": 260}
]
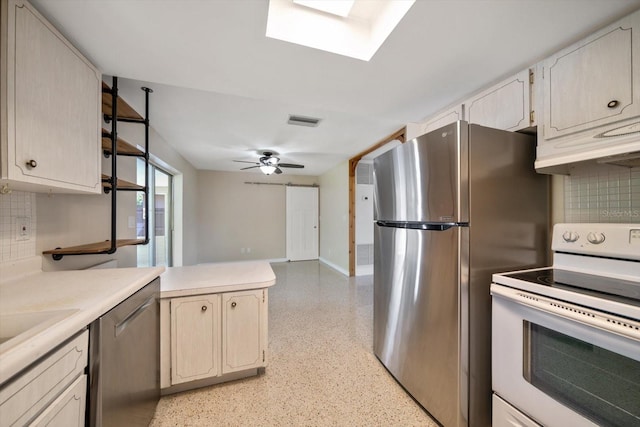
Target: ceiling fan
[{"x": 269, "y": 164}]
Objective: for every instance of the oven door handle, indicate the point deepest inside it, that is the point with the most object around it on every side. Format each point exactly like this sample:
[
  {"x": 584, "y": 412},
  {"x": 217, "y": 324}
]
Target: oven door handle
[{"x": 596, "y": 319}]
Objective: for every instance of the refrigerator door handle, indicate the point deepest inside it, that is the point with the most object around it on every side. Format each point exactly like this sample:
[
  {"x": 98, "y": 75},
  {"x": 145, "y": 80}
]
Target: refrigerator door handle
[{"x": 418, "y": 225}]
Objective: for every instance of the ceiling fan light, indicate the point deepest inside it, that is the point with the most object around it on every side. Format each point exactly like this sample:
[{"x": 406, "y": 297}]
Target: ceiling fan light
[{"x": 267, "y": 169}]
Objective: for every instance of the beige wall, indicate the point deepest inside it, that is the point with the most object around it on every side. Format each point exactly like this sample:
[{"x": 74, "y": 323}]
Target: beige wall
[
  {"x": 238, "y": 221},
  {"x": 334, "y": 217}
]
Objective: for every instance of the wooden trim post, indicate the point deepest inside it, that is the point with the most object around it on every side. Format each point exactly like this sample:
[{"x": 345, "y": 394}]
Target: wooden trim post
[{"x": 353, "y": 163}]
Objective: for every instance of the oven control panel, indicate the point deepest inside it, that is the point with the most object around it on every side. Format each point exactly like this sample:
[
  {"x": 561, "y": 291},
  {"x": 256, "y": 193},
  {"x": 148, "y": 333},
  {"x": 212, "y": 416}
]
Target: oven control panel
[{"x": 607, "y": 240}]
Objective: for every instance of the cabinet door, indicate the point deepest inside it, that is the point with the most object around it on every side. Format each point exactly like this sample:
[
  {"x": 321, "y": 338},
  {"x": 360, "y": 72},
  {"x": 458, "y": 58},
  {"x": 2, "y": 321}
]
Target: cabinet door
[
  {"x": 244, "y": 326},
  {"x": 436, "y": 122},
  {"x": 53, "y": 107},
  {"x": 68, "y": 409},
  {"x": 195, "y": 338},
  {"x": 594, "y": 82},
  {"x": 503, "y": 106}
]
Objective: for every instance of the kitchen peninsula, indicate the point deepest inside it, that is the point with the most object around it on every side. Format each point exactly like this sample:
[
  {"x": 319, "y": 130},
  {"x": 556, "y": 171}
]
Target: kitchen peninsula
[{"x": 213, "y": 323}]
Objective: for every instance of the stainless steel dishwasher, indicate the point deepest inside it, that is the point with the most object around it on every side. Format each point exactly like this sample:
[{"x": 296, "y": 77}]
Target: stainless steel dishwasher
[{"x": 124, "y": 361}]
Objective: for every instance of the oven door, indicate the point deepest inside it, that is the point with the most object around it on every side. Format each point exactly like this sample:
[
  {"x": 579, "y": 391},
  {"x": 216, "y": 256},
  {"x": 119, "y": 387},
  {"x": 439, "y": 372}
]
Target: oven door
[{"x": 564, "y": 365}]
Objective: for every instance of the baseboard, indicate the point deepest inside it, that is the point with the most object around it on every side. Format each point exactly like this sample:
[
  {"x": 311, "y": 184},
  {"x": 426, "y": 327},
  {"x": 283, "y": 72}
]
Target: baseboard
[{"x": 334, "y": 266}]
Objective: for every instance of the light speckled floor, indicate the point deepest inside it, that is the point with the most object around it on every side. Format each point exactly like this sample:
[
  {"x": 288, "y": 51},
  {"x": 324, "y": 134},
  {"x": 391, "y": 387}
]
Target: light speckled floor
[{"x": 322, "y": 371}]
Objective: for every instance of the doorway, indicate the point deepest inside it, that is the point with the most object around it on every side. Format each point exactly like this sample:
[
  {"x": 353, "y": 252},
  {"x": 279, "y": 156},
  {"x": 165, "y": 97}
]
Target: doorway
[
  {"x": 302, "y": 223},
  {"x": 159, "y": 249}
]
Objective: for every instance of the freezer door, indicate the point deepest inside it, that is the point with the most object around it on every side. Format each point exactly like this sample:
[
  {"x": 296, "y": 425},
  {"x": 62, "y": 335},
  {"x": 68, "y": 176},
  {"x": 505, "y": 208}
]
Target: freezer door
[
  {"x": 419, "y": 293},
  {"x": 424, "y": 180}
]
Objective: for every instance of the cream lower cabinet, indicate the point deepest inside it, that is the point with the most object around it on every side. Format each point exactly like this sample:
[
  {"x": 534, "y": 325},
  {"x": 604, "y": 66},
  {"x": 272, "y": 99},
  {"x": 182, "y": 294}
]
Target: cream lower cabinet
[
  {"x": 217, "y": 334},
  {"x": 51, "y": 392},
  {"x": 195, "y": 338},
  {"x": 243, "y": 335}
]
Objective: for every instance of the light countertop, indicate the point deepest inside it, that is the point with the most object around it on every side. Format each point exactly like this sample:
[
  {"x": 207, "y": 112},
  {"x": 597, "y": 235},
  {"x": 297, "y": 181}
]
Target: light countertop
[
  {"x": 215, "y": 278},
  {"x": 89, "y": 293}
]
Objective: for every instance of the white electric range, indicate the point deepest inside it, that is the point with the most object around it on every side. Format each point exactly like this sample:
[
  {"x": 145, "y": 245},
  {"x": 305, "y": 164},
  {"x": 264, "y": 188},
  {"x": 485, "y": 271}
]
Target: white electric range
[{"x": 566, "y": 339}]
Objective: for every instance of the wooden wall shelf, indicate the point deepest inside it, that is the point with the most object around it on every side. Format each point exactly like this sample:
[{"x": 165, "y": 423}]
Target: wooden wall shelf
[
  {"x": 110, "y": 144},
  {"x": 123, "y": 148},
  {"x": 121, "y": 184},
  {"x": 125, "y": 111},
  {"x": 93, "y": 248}
]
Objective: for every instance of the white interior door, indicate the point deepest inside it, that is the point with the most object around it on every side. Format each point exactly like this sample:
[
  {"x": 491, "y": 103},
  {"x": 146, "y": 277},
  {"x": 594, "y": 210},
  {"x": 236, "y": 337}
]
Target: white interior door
[{"x": 302, "y": 223}]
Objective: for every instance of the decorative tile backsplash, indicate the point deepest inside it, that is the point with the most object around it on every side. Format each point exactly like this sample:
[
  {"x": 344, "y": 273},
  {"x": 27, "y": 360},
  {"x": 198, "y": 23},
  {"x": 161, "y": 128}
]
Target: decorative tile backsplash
[
  {"x": 602, "y": 193},
  {"x": 16, "y": 208}
]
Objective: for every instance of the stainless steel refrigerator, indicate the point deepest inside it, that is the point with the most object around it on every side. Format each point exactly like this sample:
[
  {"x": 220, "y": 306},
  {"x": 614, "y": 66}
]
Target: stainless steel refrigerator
[{"x": 451, "y": 208}]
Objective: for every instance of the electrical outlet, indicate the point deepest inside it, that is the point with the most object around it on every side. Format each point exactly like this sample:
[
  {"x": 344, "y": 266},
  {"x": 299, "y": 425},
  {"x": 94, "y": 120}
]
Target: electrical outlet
[
  {"x": 23, "y": 228},
  {"x": 248, "y": 250}
]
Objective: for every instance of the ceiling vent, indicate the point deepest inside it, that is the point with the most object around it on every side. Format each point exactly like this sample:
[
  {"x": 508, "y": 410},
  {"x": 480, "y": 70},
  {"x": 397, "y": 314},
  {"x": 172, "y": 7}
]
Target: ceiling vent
[{"x": 303, "y": 121}]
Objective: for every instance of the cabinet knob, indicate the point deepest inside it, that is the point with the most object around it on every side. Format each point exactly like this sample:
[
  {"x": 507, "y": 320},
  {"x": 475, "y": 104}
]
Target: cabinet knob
[
  {"x": 613, "y": 104},
  {"x": 233, "y": 304},
  {"x": 32, "y": 163},
  {"x": 204, "y": 308}
]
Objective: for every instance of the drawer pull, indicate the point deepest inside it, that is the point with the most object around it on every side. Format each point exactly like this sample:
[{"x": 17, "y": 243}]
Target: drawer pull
[{"x": 613, "y": 104}]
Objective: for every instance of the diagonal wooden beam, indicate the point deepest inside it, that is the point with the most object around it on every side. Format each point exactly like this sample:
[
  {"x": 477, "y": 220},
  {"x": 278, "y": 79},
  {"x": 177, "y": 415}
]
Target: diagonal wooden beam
[{"x": 353, "y": 163}]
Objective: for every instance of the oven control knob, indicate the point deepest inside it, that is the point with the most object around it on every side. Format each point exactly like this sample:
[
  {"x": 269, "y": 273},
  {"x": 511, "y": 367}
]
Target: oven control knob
[
  {"x": 595, "y": 238},
  {"x": 570, "y": 236}
]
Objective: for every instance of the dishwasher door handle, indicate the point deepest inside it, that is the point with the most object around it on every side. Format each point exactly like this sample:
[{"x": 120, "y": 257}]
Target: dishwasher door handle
[{"x": 120, "y": 327}]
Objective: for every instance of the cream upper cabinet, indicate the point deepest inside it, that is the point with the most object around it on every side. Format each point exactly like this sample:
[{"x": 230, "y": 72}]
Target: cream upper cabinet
[
  {"x": 591, "y": 99},
  {"x": 244, "y": 330},
  {"x": 506, "y": 105},
  {"x": 594, "y": 82},
  {"x": 195, "y": 338},
  {"x": 50, "y": 108},
  {"x": 435, "y": 122}
]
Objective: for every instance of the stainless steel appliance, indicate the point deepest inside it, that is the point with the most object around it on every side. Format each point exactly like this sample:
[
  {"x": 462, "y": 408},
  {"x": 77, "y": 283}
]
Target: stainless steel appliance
[
  {"x": 124, "y": 361},
  {"x": 566, "y": 339},
  {"x": 451, "y": 208}
]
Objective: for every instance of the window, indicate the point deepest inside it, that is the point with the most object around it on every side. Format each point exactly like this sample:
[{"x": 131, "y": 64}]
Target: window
[{"x": 158, "y": 251}]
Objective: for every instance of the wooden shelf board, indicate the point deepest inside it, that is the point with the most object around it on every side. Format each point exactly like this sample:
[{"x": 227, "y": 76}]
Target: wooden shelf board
[
  {"x": 122, "y": 146},
  {"x": 122, "y": 184},
  {"x": 93, "y": 248},
  {"x": 125, "y": 111}
]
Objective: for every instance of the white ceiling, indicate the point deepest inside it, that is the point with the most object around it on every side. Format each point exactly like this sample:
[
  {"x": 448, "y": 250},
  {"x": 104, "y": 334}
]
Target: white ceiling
[{"x": 223, "y": 90}]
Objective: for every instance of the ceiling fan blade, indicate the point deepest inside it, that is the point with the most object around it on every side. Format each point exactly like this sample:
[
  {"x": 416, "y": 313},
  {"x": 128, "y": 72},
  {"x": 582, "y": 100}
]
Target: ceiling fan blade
[
  {"x": 249, "y": 167},
  {"x": 290, "y": 165},
  {"x": 244, "y": 161},
  {"x": 278, "y": 171}
]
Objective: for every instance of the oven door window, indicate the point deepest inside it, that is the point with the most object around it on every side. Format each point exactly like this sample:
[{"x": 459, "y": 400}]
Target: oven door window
[{"x": 597, "y": 383}]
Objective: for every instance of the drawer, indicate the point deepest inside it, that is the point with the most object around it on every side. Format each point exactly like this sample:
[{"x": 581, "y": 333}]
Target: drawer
[
  {"x": 68, "y": 409},
  {"x": 505, "y": 415},
  {"x": 31, "y": 391}
]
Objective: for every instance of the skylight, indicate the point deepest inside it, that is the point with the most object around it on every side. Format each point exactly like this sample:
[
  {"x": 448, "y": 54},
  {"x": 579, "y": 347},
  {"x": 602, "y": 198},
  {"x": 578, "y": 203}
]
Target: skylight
[
  {"x": 354, "y": 28},
  {"x": 334, "y": 7}
]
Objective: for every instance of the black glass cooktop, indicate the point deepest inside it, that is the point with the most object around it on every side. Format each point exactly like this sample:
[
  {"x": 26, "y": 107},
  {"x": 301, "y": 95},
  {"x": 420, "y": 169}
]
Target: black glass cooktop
[{"x": 623, "y": 291}]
